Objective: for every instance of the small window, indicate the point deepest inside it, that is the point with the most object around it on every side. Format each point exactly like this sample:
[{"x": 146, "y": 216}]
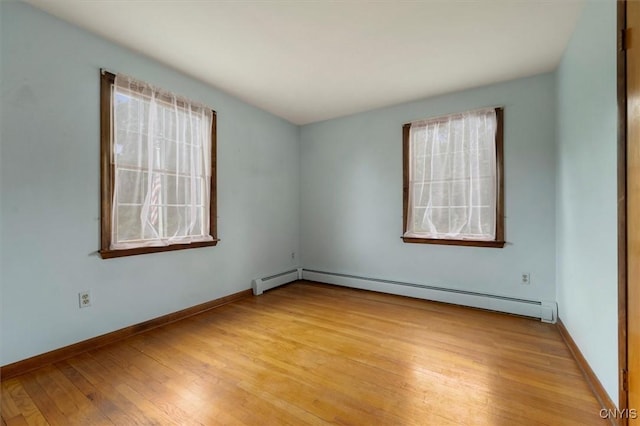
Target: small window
[
  {"x": 158, "y": 169},
  {"x": 453, "y": 179}
]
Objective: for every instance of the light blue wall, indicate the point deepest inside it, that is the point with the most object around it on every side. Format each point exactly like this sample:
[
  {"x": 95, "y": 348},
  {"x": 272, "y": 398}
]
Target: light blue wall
[
  {"x": 351, "y": 204},
  {"x": 50, "y": 193},
  {"x": 586, "y": 191}
]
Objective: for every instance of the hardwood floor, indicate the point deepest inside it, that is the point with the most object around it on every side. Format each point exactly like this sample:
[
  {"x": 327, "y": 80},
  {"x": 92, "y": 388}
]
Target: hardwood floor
[{"x": 314, "y": 354}]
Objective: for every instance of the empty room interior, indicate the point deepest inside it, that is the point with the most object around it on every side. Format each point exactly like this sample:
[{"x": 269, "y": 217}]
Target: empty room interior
[{"x": 309, "y": 212}]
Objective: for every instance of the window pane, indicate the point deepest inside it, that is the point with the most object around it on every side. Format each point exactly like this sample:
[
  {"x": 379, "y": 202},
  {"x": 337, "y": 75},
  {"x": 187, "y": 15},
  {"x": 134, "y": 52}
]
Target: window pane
[
  {"x": 459, "y": 196},
  {"x": 131, "y": 186},
  {"x": 418, "y": 215},
  {"x": 486, "y": 192},
  {"x": 458, "y": 220},
  {"x": 128, "y": 223},
  {"x": 131, "y": 114},
  {"x": 182, "y": 190},
  {"x": 439, "y": 217},
  {"x": 182, "y": 221},
  {"x": 487, "y": 221},
  {"x": 436, "y": 194},
  {"x": 132, "y": 151},
  {"x": 182, "y": 158}
]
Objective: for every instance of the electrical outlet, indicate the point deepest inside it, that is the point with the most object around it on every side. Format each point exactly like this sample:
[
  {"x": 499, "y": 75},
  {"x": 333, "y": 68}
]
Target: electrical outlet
[
  {"x": 84, "y": 298},
  {"x": 526, "y": 278},
  {"x": 293, "y": 254}
]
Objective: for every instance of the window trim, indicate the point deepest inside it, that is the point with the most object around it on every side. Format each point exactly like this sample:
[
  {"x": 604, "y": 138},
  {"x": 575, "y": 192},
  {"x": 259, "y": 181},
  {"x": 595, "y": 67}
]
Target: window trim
[
  {"x": 499, "y": 241},
  {"x": 107, "y": 178}
]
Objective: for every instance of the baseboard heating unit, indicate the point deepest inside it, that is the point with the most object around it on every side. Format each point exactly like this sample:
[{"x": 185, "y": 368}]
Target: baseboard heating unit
[
  {"x": 260, "y": 285},
  {"x": 546, "y": 311}
]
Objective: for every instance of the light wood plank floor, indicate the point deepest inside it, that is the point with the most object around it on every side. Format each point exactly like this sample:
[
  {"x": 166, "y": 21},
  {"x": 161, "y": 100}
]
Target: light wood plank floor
[{"x": 314, "y": 354}]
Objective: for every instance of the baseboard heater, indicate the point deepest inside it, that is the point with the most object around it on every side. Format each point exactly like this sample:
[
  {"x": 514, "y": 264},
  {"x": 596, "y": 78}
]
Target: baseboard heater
[
  {"x": 260, "y": 285},
  {"x": 546, "y": 311}
]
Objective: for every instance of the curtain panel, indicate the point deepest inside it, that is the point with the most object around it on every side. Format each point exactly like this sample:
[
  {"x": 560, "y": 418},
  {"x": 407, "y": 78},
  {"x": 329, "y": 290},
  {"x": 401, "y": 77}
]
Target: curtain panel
[
  {"x": 161, "y": 156},
  {"x": 452, "y": 177}
]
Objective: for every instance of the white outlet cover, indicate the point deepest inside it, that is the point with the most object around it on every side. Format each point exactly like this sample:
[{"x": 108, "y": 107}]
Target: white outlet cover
[{"x": 84, "y": 299}]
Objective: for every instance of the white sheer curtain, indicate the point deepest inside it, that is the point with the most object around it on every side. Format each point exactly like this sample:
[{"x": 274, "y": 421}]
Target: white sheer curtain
[
  {"x": 161, "y": 153},
  {"x": 452, "y": 176}
]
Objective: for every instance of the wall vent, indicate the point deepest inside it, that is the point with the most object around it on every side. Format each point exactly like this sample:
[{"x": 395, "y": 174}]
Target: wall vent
[
  {"x": 260, "y": 285},
  {"x": 546, "y": 311}
]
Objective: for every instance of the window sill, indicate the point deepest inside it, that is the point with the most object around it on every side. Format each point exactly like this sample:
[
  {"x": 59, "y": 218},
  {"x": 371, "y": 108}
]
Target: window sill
[
  {"x": 468, "y": 243},
  {"x": 110, "y": 254}
]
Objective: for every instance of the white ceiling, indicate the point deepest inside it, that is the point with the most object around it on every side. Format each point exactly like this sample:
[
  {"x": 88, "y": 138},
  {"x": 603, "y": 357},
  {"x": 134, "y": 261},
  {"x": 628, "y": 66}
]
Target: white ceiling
[{"x": 314, "y": 60}]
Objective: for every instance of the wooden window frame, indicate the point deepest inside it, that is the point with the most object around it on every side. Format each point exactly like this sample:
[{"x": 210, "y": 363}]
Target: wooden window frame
[
  {"x": 499, "y": 241},
  {"x": 107, "y": 179}
]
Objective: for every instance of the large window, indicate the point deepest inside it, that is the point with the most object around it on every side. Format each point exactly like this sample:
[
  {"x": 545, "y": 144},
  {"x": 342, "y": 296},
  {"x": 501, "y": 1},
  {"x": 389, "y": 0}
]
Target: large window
[
  {"x": 453, "y": 179},
  {"x": 158, "y": 169}
]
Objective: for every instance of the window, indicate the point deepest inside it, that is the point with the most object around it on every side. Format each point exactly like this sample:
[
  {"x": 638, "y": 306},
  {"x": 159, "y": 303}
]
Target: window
[
  {"x": 158, "y": 169},
  {"x": 453, "y": 179}
]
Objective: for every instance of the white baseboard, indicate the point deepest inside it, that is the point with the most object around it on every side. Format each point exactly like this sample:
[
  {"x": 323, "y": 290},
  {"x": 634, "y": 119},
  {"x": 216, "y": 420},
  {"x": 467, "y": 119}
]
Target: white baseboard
[
  {"x": 546, "y": 311},
  {"x": 260, "y": 285}
]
